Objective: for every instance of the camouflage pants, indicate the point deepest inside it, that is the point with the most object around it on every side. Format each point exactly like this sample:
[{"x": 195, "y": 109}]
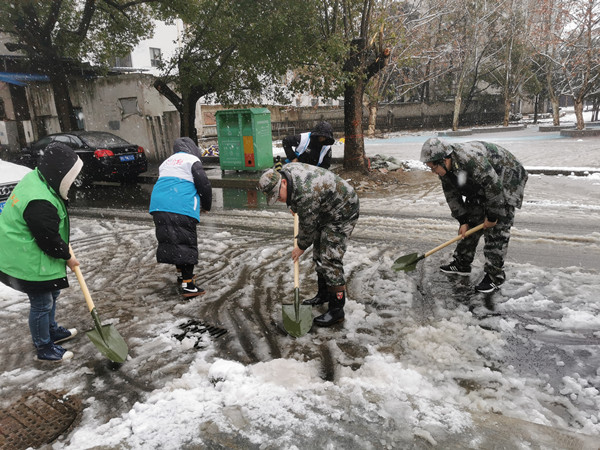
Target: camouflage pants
[
  {"x": 495, "y": 243},
  {"x": 329, "y": 248}
]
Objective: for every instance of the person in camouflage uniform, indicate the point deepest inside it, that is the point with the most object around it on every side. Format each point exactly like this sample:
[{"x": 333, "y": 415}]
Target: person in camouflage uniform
[
  {"x": 483, "y": 183},
  {"x": 327, "y": 208}
]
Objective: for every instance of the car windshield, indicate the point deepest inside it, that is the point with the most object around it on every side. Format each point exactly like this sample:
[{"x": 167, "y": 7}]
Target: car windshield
[
  {"x": 42, "y": 143},
  {"x": 104, "y": 140}
]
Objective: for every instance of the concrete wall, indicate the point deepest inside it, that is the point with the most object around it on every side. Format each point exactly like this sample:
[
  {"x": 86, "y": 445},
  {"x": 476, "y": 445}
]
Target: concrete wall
[
  {"x": 128, "y": 106},
  {"x": 287, "y": 120},
  {"x": 14, "y": 131},
  {"x": 8, "y": 137}
]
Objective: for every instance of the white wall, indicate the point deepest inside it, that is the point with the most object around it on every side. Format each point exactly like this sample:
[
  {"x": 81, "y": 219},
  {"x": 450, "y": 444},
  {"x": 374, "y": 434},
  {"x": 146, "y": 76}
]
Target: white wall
[{"x": 166, "y": 38}]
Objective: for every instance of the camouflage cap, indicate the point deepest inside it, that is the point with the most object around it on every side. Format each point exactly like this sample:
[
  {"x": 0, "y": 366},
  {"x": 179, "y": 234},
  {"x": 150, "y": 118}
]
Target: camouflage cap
[
  {"x": 269, "y": 184},
  {"x": 434, "y": 150}
]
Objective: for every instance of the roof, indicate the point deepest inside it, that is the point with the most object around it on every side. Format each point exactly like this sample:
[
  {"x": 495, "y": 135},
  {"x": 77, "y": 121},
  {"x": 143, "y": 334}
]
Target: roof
[{"x": 21, "y": 79}]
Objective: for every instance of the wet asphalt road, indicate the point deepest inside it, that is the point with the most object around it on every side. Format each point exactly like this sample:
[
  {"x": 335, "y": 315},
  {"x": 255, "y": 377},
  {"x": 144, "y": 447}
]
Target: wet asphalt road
[{"x": 549, "y": 216}]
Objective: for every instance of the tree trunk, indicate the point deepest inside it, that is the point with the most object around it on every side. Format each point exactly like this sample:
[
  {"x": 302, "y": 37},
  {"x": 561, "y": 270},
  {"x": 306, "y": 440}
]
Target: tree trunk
[
  {"x": 354, "y": 145},
  {"x": 186, "y": 106},
  {"x": 458, "y": 101},
  {"x": 555, "y": 111},
  {"x": 578, "y": 104},
  {"x": 506, "y": 111},
  {"x": 553, "y": 99},
  {"x": 62, "y": 101},
  {"x": 456, "y": 115},
  {"x": 187, "y": 118},
  {"x": 372, "y": 119}
]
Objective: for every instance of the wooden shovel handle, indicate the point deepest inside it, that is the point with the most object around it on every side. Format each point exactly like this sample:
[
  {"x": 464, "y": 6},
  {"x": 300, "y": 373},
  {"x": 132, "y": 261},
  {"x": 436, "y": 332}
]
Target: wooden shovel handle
[
  {"x": 82, "y": 284},
  {"x": 296, "y": 263},
  {"x": 451, "y": 241}
]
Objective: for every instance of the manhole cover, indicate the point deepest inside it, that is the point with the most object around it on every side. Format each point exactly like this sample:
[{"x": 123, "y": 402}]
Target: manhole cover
[
  {"x": 37, "y": 419},
  {"x": 194, "y": 329}
]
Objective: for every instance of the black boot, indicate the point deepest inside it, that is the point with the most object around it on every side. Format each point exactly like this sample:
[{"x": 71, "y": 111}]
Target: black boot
[
  {"x": 321, "y": 296},
  {"x": 335, "y": 314}
]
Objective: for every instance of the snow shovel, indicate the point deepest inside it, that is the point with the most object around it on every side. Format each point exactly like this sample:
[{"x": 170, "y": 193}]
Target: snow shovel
[
  {"x": 106, "y": 338},
  {"x": 297, "y": 318},
  {"x": 409, "y": 262}
]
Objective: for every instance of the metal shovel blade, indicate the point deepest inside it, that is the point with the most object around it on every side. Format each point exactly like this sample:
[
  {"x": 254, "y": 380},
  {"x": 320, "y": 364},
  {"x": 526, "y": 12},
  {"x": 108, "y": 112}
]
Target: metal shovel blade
[
  {"x": 107, "y": 339},
  {"x": 297, "y": 318},
  {"x": 407, "y": 263},
  {"x": 109, "y": 342}
]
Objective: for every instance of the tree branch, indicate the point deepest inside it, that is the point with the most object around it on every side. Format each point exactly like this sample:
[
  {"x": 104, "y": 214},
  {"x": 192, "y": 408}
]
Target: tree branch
[
  {"x": 169, "y": 94},
  {"x": 52, "y": 18}
]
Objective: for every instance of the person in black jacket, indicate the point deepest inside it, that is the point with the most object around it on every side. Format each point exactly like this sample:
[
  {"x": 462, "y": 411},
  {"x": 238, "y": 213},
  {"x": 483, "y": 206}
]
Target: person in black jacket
[
  {"x": 312, "y": 148},
  {"x": 182, "y": 190},
  {"x": 34, "y": 232}
]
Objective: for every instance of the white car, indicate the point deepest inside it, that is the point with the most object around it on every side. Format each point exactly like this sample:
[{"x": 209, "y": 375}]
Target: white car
[{"x": 10, "y": 175}]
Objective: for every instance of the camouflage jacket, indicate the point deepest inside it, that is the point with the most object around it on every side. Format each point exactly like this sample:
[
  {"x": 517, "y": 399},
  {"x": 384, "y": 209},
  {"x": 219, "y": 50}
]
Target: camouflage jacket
[
  {"x": 319, "y": 197},
  {"x": 485, "y": 174}
]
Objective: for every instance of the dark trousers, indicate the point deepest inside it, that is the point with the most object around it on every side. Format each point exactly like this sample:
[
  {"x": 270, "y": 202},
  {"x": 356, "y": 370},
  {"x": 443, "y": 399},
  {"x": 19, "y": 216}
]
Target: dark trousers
[{"x": 495, "y": 242}]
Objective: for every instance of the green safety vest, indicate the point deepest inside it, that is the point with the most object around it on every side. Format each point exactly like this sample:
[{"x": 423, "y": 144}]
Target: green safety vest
[{"x": 20, "y": 256}]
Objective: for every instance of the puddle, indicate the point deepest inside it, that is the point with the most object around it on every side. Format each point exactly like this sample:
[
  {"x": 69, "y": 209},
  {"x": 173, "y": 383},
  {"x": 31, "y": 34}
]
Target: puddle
[{"x": 137, "y": 197}]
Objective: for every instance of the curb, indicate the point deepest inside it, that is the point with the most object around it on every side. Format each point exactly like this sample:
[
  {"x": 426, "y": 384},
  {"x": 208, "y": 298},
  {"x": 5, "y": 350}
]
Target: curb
[
  {"x": 249, "y": 180},
  {"x": 580, "y": 133},
  {"x": 577, "y": 171},
  {"x": 471, "y": 131}
]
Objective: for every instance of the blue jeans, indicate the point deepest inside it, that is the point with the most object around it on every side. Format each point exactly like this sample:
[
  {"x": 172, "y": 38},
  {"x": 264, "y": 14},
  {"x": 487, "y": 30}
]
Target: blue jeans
[{"x": 41, "y": 316}]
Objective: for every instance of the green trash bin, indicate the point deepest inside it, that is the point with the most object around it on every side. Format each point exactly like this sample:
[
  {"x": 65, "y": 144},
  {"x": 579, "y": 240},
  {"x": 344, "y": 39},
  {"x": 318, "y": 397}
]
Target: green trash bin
[{"x": 245, "y": 141}]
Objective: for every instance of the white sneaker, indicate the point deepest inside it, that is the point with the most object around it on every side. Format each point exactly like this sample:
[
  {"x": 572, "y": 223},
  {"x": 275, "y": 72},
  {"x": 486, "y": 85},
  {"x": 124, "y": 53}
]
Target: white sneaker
[{"x": 62, "y": 334}]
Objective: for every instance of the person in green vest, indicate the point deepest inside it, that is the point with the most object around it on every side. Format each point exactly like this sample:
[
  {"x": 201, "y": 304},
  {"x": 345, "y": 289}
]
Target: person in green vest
[{"x": 34, "y": 232}]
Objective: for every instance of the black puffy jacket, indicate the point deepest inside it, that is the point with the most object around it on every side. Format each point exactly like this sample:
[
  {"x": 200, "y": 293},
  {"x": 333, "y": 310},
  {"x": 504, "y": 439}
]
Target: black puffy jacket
[{"x": 313, "y": 152}]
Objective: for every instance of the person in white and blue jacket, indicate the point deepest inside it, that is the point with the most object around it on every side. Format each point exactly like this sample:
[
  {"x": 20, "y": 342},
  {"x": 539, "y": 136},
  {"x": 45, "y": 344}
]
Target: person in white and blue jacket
[
  {"x": 181, "y": 192},
  {"x": 312, "y": 148}
]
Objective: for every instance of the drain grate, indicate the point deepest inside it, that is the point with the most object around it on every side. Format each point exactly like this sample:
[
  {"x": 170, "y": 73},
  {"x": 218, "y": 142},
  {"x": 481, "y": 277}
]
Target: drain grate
[
  {"x": 37, "y": 419},
  {"x": 195, "y": 329}
]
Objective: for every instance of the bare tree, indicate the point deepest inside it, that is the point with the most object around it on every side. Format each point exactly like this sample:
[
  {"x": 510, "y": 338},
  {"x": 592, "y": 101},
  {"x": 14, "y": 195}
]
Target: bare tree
[
  {"x": 515, "y": 55},
  {"x": 580, "y": 63},
  {"x": 364, "y": 61},
  {"x": 546, "y": 38},
  {"x": 475, "y": 25},
  {"x": 398, "y": 27}
]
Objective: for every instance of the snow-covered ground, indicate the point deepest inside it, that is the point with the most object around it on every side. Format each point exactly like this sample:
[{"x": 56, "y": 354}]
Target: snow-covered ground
[{"x": 421, "y": 361}]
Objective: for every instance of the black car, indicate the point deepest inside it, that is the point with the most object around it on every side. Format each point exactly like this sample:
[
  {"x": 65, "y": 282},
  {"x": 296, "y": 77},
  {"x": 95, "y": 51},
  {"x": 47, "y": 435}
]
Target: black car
[{"x": 105, "y": 157}]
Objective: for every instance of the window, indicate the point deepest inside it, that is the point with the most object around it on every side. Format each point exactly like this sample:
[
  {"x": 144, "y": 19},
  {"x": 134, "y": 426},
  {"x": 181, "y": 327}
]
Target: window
[
  {"x": 69, "y": 140},
  {"x": 155, "y": 56},
  {"x": 129, "y": 106},
  {"x": 314, "y": 102},
  {"x": 124, "y": 61}
]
